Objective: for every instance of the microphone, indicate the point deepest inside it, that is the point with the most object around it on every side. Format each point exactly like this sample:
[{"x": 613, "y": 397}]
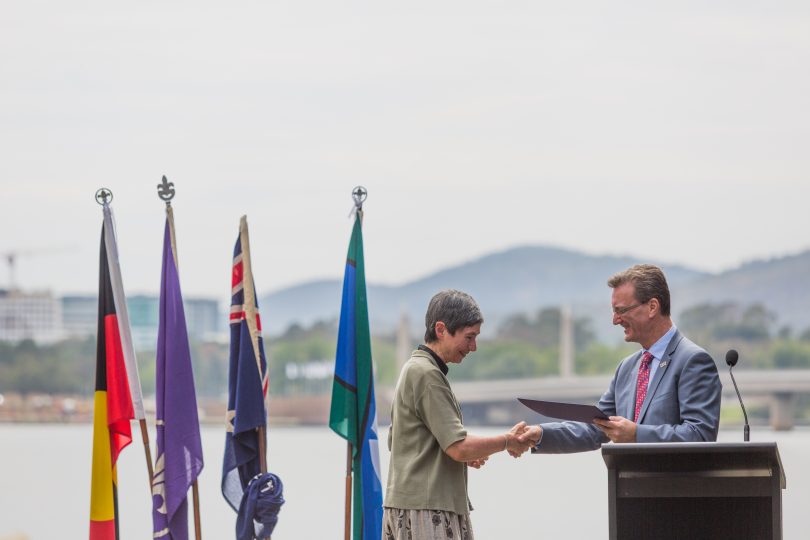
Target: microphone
[{"x": 731, "y": 359}]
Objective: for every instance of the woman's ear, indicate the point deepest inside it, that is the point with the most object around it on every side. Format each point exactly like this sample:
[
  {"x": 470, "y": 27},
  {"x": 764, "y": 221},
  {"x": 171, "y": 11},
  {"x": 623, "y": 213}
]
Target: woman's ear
[{"x": 441, "y": 329}]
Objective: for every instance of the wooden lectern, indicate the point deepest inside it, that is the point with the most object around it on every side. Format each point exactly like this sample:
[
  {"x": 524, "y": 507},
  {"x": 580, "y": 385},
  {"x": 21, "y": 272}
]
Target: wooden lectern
[{"x": 673, "y": 491}]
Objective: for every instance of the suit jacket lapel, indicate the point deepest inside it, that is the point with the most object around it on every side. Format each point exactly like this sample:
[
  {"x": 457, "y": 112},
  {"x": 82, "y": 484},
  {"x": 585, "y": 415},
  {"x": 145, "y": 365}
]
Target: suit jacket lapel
[{"x": 663, "y": 364}]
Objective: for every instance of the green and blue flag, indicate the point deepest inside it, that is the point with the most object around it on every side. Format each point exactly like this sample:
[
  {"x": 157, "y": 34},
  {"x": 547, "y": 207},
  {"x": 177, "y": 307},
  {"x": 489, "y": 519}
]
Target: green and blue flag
[{"x": 353, "y": 414}]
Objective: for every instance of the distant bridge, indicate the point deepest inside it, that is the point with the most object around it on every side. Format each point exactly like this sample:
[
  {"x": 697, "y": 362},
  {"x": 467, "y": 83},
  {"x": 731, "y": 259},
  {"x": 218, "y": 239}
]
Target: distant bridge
[{"x": 494, "y": 402}]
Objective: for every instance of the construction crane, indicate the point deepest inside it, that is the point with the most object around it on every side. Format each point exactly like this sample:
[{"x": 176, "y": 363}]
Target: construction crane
[{"x": 11, "y": 259}]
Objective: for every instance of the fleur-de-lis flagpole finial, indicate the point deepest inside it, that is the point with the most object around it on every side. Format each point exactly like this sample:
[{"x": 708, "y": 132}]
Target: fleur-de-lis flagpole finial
[
  {"x": 359, "y": 194},
  {"x": 166, "y": 191},
  {"x": 104, "y": 196}
]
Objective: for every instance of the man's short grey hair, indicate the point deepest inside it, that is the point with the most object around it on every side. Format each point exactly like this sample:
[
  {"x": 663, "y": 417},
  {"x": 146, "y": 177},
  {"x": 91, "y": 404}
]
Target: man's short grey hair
[
  {"x": 649, "y": 282},
  {"x": 455, "y": 309}
]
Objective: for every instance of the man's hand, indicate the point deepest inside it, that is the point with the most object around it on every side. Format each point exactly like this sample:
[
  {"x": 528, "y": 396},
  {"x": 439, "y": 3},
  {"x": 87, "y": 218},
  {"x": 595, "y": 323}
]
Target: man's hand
[
  {"x": 520, "y": 438},
  {"x": 477, "y": 463},
  {"x": 518, "y": 428},
  {"x": 617, "y": 428},
  {"x": 531, "y": 435}
]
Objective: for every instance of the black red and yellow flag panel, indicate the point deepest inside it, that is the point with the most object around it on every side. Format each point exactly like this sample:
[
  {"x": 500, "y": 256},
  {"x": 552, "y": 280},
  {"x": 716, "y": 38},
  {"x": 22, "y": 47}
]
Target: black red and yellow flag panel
[{"x": 112, "y": 410}]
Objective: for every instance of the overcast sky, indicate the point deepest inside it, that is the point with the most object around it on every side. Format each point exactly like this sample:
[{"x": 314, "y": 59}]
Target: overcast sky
[{"x": 676, "y": 132}]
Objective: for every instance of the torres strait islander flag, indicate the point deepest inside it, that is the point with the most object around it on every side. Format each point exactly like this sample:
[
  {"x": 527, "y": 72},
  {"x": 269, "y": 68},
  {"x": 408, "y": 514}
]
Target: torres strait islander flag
[
  {"x": 112, "y": 406},
  {"x": 353, "y": 414},
  {"x": 247, "y": 378}
]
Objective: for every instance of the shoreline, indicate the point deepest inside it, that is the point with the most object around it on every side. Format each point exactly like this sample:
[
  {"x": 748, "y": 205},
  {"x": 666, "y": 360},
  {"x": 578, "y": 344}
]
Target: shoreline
[{"x": 302, "y": 410}]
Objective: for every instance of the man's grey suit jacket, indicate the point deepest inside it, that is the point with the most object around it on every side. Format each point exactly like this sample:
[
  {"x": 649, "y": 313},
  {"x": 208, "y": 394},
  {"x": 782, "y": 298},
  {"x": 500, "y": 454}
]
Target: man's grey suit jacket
[{"x": 682, "y": 403}]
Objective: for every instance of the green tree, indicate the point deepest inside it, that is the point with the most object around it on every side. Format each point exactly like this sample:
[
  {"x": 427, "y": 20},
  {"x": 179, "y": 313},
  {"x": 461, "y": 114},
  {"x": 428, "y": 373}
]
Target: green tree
[
  {"x": 543, "y": 330},
  {"x": 708, "y": 322},
  {"x": 601, "y": 359},
  {"x": 66, "y": 367},
  {"x": 383, "y": 354},
  {"x": 791, "y": 354},
  {"x": 507, "y": 360},
  {"x": 306, "y": 351}
]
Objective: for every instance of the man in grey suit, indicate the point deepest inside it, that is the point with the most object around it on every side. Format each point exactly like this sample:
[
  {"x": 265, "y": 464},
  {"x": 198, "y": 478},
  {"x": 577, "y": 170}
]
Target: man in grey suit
[{"x": 667, "y": 392}]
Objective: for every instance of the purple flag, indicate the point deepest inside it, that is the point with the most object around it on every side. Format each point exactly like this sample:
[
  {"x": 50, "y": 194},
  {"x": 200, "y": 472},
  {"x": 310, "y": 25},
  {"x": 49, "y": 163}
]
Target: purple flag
[{"x": 179, "y": 451}]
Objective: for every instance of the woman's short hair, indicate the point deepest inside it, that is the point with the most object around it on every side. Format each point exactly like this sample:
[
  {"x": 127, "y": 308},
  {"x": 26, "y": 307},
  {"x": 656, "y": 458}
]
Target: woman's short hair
[{"x": 455, "y": 309}]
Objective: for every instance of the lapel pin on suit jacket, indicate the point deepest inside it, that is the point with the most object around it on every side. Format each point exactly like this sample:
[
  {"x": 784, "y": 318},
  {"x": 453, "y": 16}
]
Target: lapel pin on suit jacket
[{"x": 663, "y": 363}]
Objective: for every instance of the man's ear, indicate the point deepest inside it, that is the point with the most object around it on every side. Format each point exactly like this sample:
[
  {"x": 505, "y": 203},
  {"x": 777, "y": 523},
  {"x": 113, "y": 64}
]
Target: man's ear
[
  {"x": 441, "y": 329},
  {"x": 655, "y": 306}
]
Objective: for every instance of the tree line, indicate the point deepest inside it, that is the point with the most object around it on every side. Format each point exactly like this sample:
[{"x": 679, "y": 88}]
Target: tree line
[{"x": 524, "y": 345}]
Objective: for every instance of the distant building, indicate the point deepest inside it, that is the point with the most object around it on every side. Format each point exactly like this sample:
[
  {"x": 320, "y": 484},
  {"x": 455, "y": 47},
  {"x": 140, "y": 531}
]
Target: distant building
[
  {"x": 79, "y": 315},
  {"x": 143, "y": 320},
  {"x": 204, "y": 321},
  {"x": 36, "y": 316},
  {"x": 45, "y": 319}
]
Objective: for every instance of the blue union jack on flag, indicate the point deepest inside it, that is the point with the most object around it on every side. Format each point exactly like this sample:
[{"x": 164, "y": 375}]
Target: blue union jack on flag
[{"x": 247, "y": 378}]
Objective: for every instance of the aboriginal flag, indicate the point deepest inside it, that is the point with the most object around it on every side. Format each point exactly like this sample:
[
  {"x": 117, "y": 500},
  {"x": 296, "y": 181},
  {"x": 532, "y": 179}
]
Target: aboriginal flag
[{"x": 112, "y": 409}]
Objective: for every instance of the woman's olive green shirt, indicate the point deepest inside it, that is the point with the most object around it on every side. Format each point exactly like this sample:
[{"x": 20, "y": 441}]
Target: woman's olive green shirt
[{"x": 425, "y": 420}]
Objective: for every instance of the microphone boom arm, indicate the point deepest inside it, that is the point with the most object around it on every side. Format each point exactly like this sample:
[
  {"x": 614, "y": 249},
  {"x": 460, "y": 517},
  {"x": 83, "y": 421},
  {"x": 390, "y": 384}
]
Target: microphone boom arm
[{"x": 746, "y": 428}]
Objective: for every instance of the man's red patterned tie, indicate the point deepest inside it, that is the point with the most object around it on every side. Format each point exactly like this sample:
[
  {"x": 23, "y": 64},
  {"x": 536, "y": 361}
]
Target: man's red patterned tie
[{"x": 643, "y": 379}]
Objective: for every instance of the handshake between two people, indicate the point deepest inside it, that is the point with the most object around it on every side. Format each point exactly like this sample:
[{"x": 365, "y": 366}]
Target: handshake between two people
[
  {"x": 516, "y": 442},
  {"x": 521, "y": 438}
]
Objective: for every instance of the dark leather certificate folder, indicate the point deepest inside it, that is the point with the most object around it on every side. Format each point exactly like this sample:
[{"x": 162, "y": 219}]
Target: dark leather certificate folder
[{"x": 564, "y": 411}]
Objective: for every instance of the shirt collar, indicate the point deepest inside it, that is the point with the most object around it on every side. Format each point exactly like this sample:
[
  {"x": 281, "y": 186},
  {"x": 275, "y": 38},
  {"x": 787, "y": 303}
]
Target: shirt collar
[
  {"x": 439, "y": 362},
  {"x": 660, "y": 347}
]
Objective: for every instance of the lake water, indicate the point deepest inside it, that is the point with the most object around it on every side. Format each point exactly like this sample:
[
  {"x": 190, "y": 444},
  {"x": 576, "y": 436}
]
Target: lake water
[{"x": 45, "y": 486}]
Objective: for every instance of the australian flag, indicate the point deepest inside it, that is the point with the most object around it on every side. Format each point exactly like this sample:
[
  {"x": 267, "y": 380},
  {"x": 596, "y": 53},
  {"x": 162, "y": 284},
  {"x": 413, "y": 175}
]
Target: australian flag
[{"x": 247, "y": 378}]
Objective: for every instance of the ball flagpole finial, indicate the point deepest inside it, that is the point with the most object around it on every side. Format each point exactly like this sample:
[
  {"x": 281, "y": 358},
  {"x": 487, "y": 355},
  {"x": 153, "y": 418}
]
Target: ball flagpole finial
[
  {"x": 359, "y": 194},
  {"x": 104, "y": 196}
]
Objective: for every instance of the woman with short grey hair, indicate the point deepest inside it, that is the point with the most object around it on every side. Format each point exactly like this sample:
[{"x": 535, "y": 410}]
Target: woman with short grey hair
[{"x": 426, "y": 497}]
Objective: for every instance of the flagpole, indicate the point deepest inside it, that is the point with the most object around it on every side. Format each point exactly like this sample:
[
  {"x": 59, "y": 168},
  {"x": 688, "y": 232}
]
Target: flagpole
[
  {"x": 147, "y": 451},
  {"x": 166, "y": 194},
  {"x": 195, "y": 492},
  {"x": 113, "y": 407},
  {"x": 347, "y": 527},
  {"x": 359, "y": 195},
  {"x": 252, "y": 320},
  {"x": 262, "y": 452},
  {"x": 104, "y": 197},
  {"x": 262, "y": 449}
]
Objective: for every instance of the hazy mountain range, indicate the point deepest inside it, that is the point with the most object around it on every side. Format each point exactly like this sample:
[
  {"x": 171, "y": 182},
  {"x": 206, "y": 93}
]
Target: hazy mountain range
[{"x": 525, "y": 279}]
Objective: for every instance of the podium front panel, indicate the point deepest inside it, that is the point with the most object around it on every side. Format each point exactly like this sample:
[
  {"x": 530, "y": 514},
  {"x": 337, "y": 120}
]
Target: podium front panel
[{"x": 694, "y": 490}]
